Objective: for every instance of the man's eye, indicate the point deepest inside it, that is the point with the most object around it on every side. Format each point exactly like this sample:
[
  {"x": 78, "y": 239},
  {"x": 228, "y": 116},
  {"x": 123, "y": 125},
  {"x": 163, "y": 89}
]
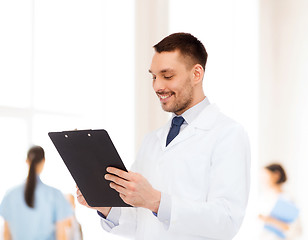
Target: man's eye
[
  {"x": 154, "y": 77},
  {"x": 168, "y": 77}
]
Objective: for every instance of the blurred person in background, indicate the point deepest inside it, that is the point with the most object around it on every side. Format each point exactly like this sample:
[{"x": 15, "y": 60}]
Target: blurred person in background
[
  {"x": 33, "y": 210},
  {"x": 279, "y": 214},
  {"x": 73, "y": 228}
]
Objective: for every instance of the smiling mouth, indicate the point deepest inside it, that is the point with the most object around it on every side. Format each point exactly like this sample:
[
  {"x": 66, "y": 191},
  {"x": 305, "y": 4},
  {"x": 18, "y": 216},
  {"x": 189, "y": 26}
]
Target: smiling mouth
[{"x": 164, "y": 96}]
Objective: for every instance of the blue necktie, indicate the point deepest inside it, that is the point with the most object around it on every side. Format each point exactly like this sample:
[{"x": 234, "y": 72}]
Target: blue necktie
[{"x": 175, "y": 128}]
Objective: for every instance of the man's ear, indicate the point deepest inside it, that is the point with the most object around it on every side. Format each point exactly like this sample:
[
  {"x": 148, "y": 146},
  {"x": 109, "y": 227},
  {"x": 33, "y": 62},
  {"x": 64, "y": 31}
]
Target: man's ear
[{"x": 198, "y": 73}]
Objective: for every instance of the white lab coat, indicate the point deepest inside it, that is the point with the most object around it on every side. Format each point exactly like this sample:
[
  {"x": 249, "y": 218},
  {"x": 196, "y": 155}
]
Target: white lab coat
[{"x": 205, "y": 170}]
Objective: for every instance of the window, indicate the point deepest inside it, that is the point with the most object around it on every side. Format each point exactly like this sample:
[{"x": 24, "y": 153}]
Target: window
[{"x": 64, "y": 66}]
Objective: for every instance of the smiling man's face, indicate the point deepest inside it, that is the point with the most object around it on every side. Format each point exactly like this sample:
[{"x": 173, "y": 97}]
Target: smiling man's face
[{"x": 172, "y": 81}]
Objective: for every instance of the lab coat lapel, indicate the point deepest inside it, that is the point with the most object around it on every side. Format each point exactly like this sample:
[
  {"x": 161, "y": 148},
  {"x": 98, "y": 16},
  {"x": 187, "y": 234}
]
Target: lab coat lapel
[
  {"x": 162, "y": 135},
  {"x": 206, "y": 118},
  {"x": 183, "y": 135},
  {"x": 204, "y": 121}
]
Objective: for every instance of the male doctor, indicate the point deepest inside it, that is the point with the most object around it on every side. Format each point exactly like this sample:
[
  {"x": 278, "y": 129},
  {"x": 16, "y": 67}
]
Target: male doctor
[{"x": 191, "y": 177}]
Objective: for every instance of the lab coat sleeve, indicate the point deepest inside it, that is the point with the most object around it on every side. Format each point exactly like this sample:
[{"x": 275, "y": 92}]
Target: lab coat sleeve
[
  {"x": 126, "y": 226},
  {"x": 164, "y": 210},
  {"x": 111, "y": 220},
  {"x": 221, "y": 214}
]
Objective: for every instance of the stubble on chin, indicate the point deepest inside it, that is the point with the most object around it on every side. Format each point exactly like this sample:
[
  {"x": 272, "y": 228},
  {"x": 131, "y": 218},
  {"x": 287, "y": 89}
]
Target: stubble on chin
[
  {"x": 165, "y": 108},
  {"x": 182, "y": 107},
  {"x": 178, "y": 107}
]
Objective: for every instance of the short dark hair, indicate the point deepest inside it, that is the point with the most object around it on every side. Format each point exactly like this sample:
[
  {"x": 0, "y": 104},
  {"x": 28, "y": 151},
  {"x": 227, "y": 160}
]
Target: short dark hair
[
  {"x": 277, "y": 168},
  {"x": 187, "y": 44}
]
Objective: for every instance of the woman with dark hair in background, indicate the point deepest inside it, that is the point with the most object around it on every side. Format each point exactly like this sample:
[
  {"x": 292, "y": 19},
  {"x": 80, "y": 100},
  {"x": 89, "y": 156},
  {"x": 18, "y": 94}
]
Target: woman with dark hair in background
[
  {"x": 33, "y": 210},
  {"x": 280, "y": 214}
]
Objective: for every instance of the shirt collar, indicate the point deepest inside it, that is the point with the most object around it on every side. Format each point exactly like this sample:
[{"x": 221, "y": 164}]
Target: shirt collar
[
  {"x": 204, "y": 119},
  {"x": 191, "y": 114}
]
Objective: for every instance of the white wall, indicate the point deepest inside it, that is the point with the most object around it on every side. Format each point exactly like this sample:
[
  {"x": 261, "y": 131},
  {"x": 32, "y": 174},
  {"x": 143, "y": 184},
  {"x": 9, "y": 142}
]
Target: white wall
[
  {"x": 283, "y": 92},
  {"x": 152, "y": 17}
]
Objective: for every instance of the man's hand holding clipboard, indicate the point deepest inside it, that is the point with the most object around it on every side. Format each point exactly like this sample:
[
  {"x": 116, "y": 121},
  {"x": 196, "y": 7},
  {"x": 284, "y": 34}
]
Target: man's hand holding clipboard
[{"x": 133, "y": 189}]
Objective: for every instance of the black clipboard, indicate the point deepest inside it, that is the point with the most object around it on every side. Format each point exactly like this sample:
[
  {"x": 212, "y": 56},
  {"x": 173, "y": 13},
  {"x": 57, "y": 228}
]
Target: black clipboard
[{"x": 87, "y": 154}]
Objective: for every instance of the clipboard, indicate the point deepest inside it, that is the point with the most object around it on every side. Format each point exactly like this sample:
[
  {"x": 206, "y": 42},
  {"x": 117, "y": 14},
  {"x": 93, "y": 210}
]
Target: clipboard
[{"x": 87, "y": 154}]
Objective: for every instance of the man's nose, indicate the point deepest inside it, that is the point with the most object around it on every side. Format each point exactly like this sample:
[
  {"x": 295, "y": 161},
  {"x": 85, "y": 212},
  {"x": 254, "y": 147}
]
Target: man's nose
[{"x": 158, "y": 84}]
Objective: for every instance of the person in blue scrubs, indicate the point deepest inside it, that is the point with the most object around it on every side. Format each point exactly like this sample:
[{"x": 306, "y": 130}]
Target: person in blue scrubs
[
  {"x": 33, "y": 210},
  {"x": 279, "y": 212}
]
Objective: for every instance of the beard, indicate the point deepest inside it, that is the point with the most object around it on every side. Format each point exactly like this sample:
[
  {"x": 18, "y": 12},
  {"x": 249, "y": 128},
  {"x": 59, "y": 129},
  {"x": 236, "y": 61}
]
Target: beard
[{"x": 181, "y": 101}]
